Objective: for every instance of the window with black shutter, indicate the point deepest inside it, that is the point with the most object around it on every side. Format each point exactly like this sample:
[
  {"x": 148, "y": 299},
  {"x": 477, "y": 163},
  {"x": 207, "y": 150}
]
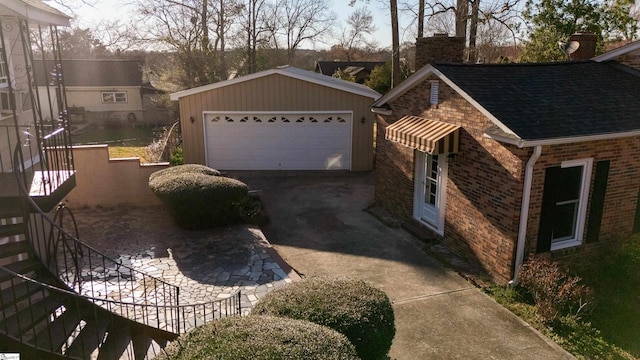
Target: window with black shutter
[{"x": 564, "y": 199}]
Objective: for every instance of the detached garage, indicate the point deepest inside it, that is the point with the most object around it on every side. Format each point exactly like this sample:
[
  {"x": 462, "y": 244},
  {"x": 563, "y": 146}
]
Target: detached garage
[{"x": 279, "y": 119}]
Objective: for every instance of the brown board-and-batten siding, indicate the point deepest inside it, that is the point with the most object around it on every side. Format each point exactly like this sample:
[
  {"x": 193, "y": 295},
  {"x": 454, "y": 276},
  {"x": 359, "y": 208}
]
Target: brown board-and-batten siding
[{"x": 277, "y": 93}]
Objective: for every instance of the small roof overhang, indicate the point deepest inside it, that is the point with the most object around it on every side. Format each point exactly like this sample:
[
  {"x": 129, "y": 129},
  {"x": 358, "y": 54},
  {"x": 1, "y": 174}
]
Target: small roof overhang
[
  {"x": 35, "y": 11},
  {"x": 426, "y": 135}
]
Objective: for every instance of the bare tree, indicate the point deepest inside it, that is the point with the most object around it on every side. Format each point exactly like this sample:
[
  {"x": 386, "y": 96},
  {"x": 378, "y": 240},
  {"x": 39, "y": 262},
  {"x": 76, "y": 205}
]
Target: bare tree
[
  {"x": 255, "y": 30},
  {"x": 186, "y": 28},
  {"x": 353, "y": 39},
  {"x": 466, "y": 18},
  {"x": 395, "y": 45},
  {"x": 293, "y": 22}
]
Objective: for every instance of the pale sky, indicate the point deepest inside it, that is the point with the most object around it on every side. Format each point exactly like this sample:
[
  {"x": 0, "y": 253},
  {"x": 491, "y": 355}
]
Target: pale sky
[{"x": 120, "y": 9}]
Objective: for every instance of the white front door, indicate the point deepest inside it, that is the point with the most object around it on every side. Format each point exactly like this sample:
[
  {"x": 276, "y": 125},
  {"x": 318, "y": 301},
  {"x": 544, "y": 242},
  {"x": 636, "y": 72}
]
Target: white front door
[{"x": 430, "y": 190}]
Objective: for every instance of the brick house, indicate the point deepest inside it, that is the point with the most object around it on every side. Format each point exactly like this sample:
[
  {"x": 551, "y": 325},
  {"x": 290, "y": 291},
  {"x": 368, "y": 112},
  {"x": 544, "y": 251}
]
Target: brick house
[
  {"x": 628, "y": 54},
  {"x": 503, "y": 161}
]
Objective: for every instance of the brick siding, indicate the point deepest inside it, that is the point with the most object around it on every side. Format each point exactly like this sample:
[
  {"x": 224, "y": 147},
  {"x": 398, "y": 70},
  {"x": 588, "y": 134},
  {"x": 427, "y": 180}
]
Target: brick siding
[
  {"x": 439, "y": 49},
  {"x": 632, "y": 60},
  {"x": 485, "y": 182},
  {"x": 620, "y": 199}
]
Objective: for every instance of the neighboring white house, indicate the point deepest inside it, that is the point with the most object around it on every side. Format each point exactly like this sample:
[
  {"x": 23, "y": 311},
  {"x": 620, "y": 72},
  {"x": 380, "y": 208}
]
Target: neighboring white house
[{"x": 106, "y": 91}]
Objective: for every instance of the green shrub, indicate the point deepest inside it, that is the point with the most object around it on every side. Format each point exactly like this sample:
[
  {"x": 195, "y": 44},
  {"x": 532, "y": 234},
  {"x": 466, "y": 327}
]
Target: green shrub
[
  {"x": 197, "y": 200},
  {"x": 260, "y": 338},
  {"x": 184, "y": 169},
  {"x": 177, "y": 156},
  {"x": 555, "y": 292},
  {"x": 352, "y": 307}
]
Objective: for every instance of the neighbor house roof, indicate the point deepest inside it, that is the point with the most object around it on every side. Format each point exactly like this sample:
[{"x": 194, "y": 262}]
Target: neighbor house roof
[
  {"x": 94, "y": 73},
  {"x": 617, "y": 52},
  {"x": 35, "y": 11},
  {"x": 292, "y": 72},
  {"x": 352, "y": 67},
  {"x": 533, "y": 104}
]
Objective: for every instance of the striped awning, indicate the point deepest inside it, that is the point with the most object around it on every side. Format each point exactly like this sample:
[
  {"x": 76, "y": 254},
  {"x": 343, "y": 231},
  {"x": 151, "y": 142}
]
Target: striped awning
[{"x": 430, "y": 136}]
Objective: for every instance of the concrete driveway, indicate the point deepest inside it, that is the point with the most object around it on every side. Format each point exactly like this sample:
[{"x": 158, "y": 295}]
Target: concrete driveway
[{"x": 319, "y": 227}]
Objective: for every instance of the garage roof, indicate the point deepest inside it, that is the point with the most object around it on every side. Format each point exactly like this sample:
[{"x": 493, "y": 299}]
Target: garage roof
[{"x": 289, "y": 71}]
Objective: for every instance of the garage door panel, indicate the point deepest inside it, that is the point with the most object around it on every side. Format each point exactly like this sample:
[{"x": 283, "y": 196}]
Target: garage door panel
[{"x": 278, "y": 145}]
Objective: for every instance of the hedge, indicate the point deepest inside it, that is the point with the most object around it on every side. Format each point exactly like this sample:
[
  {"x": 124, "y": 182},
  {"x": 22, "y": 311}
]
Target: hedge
[
  {"x": 198, "y": 200},
  {"x": 260, "y": 338},
  {"x": 352, "y": 307},
  {"x": 182, "y": 169}
]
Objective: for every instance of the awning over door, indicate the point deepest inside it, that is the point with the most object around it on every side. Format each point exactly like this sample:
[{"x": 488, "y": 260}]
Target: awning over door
[{"x": 430, "y": 136}]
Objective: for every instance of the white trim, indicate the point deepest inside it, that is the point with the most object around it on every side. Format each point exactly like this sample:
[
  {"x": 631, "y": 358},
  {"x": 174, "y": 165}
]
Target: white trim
[
  {"x": 587, "y": 166},
  {"x": 43, "y": 13},
  {"x": 561, "y": 141},
  {"x": 524, "y": 213},
  {"x": 291, "y": 72},
  {"x": 381, "y": 111},
  {"x": 419, "y": 189},
  {"x": 610, "y": 55},
  {"x": 422, "y": 74}
]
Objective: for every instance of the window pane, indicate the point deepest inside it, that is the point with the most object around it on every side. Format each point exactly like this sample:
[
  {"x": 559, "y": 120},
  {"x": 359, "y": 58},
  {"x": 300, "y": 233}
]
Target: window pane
[
  {"x": 108, "y": 97},
  {"x": 564, "y": 226},
  {"x": 569, "y": 183}
]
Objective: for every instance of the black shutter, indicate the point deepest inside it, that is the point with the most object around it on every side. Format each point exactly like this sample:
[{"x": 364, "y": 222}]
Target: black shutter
[
  {"x": 636, "y": 222},
  {"x": 549, "y": 199},
  {"x": 597, "y": 200}
]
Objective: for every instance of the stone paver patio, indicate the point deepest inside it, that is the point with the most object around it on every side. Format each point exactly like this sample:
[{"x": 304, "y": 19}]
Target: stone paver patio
[{"x": 207, "y": 265}]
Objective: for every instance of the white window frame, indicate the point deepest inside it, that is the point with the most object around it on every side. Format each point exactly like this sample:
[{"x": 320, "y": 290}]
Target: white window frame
[
  {"x": 419, "y": 190},
  {"x": 115, "y": 97},
  {"x": 4, "y": 68},
  {"x": 587, "y": 166}
]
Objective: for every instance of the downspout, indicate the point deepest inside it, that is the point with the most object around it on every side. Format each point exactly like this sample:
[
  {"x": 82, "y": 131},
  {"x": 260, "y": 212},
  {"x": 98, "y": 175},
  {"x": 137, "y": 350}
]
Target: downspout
[{"x": 524, "y": 212}]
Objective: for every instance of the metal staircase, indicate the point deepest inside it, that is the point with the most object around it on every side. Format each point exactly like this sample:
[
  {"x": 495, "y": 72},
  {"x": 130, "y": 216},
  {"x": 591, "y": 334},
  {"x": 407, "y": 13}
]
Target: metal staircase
[{"x": 62, "y": 299}]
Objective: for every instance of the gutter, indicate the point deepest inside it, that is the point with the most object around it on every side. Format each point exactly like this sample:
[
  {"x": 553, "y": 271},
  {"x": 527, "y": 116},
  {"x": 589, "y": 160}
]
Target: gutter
[{"x": 524, "y": 213}]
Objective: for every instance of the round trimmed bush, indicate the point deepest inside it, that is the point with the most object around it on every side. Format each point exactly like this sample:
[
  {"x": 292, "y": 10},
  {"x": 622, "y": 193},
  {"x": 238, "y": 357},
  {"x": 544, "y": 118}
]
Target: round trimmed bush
[
  {"x": 198, "y": 200},
  {"x": 352, "y": 307},
  {"x": 262, "y": 338},
  {"x": 182, "y": 169}
]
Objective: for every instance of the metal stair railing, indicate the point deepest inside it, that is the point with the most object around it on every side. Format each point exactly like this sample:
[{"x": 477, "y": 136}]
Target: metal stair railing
[{"x": 148, "y": 300}]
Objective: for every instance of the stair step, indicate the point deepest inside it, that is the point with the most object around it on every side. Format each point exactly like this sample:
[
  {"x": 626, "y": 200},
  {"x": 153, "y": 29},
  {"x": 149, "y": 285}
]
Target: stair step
[
  {"x": 117, "y": 342},
  {"x": 89, "y": 339},
  {"x": 21, "y": 267},
  {"x": 18, "y": 293},
  {"x": 14, "y": 248},
  {"x": 53, "y": 336},
  {"x": 12, "y": 229},
  {"x": 25, "y": 320}
]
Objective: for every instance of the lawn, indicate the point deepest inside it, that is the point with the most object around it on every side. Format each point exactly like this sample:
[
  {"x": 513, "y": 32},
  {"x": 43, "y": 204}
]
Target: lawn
[
  {"x": 123, "y": 141},
  {"x": 616, "y": 286},
  {"x": 612, "y": 329}
]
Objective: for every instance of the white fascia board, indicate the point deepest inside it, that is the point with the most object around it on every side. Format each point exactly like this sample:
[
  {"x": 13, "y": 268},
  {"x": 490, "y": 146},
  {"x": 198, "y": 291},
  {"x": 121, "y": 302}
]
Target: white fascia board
[
  {"x": 422, "y": 74},
  {"x": 45, "y": 15},
  {"x": 564, "y": 140},
  {"x": 219, "y": 84},
  {"x": 610, "y": 55},
  {"x": 365, "y": 91}
]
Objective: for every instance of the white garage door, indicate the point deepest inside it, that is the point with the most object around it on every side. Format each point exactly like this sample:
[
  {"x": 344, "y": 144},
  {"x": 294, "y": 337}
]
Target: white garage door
[{"x": 278, "y": 141}]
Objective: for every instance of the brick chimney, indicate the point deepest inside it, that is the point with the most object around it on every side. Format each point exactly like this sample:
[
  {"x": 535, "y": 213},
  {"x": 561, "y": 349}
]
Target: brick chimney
[
  {"x": 440, "y": 48},
  {"x": 587, "y": 48}
]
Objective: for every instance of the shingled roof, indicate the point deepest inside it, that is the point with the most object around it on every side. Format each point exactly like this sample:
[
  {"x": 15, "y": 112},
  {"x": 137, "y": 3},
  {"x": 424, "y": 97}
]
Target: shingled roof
[
  {"x": 330, "y": 67},
  {"x": 533, "y": 102},
  {"x": 95, "y": 73}
]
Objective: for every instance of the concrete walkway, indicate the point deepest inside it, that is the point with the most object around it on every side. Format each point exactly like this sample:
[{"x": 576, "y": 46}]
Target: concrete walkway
[{"x": 319, "y": 227}]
